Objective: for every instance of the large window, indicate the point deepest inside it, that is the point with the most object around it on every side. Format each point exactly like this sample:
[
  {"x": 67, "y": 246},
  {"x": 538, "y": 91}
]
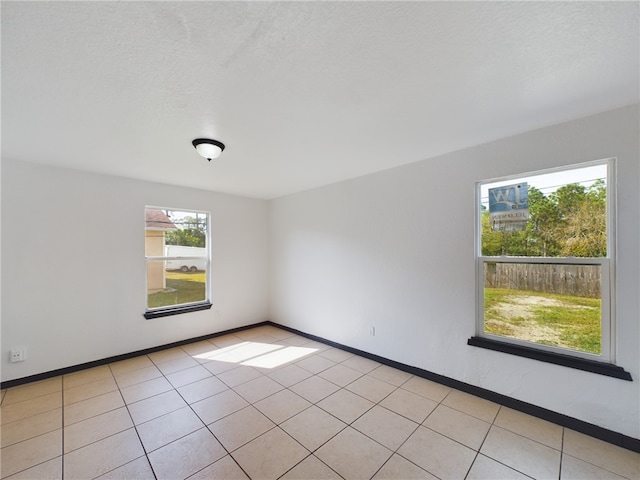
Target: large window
[
  {"x": 545, "y": 260},
  {"x": 177, "y": 261}
]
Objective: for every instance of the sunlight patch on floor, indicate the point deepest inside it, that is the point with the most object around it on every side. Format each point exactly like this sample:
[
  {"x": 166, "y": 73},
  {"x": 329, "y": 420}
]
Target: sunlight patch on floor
[
  {"x": 280, "y": 357},
  {"x": 257, "y": 354}
]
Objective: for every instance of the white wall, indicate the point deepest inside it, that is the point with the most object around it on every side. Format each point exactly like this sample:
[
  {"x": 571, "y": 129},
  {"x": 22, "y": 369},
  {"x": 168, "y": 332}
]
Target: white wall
[
  {"x": 395, "y": 250},
  {"x": 73, "y": 271}
]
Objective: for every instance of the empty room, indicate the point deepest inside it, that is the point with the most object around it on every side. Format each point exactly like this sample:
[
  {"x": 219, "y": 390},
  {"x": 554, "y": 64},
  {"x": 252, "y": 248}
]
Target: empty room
[{"x": 320, "y": 240}]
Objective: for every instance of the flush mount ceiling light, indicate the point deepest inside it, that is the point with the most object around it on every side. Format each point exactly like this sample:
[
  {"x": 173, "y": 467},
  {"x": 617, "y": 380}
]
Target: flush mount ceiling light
[{"x": 208, "y": 148}]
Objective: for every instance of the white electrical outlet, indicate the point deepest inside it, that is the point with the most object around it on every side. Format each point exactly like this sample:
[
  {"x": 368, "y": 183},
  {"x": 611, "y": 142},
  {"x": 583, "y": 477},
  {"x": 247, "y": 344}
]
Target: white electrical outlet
[
  {"x": 18, "y": 354},
  {"x": 372, "y": 331}
]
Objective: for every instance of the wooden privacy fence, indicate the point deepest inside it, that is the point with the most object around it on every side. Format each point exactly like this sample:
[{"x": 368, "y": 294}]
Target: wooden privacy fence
[{"x": 577, "y": 280}]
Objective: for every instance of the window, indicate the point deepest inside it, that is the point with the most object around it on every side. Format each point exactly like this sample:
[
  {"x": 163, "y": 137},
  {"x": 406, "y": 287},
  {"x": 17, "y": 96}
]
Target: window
[
  {"x": 177, "y": 261},
  {"x": 545, "y": 262}
]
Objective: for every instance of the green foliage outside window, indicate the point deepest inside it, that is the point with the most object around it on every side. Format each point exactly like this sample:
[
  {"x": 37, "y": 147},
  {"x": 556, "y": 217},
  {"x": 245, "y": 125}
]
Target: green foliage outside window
[
  {"x": 571, "y": 221},
  {"x": 191, "y": 232}
]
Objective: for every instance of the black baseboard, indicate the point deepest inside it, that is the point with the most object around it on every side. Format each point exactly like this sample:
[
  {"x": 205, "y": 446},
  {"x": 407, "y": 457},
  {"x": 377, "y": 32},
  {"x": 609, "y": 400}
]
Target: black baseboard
[
  {"x": 586, "y": 428},
  {"x": 117, "y": 358},
  {"x": 595, "y": 431}
]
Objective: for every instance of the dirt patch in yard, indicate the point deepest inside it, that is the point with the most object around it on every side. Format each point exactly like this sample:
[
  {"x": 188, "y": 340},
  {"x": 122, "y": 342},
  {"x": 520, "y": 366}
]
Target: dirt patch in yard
[
  {"x": 536, "y": 301},
  {"x": 522, "y": 324},
  {"x": 564, "y": 321}
]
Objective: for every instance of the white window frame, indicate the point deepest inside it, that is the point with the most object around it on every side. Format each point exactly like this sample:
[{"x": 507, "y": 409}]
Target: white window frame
[
  {"x": 181, "y": 307},
  {"x": 607, "y": 264}
]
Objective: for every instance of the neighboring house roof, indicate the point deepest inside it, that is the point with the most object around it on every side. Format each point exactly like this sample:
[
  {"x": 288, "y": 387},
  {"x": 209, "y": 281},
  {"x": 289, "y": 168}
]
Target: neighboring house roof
[{"x": 157, "y": 220}]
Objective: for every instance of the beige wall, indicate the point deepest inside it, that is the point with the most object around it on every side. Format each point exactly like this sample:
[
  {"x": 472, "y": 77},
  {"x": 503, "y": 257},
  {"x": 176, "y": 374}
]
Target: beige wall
[{"x": 154, "y": 246}]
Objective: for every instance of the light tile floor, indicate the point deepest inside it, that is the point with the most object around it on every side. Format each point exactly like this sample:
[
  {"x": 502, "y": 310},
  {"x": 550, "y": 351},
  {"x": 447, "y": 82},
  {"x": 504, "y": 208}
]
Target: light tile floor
[{"x": 264, "y": 403}]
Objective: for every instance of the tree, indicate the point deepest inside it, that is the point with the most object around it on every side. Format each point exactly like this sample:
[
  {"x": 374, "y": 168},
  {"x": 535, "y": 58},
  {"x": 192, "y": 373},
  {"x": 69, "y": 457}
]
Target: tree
[
  {"x": 585, "y": 228},
  {"x": 491, "y": 241},
  {"x": 191, "y": 232},
  {"x": 569, "y": 222},
  {"x": 568, "y": 198},
  {"x": 542, "y": 227}
]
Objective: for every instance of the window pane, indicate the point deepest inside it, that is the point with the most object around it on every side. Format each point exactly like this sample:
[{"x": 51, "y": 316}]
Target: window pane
[
  {"x": 190, "y": 230},
  {"x": 548, "y": 304},
  {"x": 157, "y": 224},
  {"x": 557, "y": 214},
  {"x": 168, "y": 287},
  {"x": 182, "y": 233}
]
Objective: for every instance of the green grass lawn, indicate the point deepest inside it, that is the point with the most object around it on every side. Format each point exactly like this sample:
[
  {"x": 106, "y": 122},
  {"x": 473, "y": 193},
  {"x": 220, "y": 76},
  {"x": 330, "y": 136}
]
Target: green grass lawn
[
  {"x": 182, "y": 287},
  {"x": 559, "y": 320}
]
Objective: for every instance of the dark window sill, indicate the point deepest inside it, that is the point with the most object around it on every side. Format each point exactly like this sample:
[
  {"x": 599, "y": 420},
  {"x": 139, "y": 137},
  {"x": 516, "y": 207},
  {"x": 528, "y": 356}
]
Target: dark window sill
[
  {"x": 551, "y": 357},
  {"x": 167, "y": 312}
]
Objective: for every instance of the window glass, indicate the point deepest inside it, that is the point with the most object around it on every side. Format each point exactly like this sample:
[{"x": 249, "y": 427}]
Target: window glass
[
  {"x": 561, "y": 214},
  {"x": 544, "y": 260},
  {"x": 177, "y": 257}
]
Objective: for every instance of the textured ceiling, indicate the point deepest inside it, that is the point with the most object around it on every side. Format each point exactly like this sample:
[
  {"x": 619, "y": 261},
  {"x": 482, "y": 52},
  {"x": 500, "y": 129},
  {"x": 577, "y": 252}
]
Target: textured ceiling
[{"x": 302, "y": 93}]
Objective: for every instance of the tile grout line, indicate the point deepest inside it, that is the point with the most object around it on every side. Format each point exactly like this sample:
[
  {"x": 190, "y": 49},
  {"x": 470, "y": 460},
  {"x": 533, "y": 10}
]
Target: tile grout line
[
  {"x": 204, "y": 425},
  {"x": 278, "y": 425},
  {"x": 564, "y": 454},
  {"x": 366, "y": 411},
  {"x": 421, "y": 424},
  {"x": 146, "y": 455},
  {"x": 342, "y": 421},
  {"x": 482, "y": 443},
  {"x": 477, "y": 452},
  {"x": 492, "y": 424},
  {"x": 264, "y": 433},
  {"x": 561, "y": 455},
  {"x": 163, "y": 375},
  {"x": 311, "y": 453},
  {"x": 396, "y": 451},
  {"x": 120, "y": 392},
  {"x": 63, "y": 428},
  {"x": 103, "y": 413},
  {"x": 40, "y": 434},
  {"x": 228, "y": 453}
]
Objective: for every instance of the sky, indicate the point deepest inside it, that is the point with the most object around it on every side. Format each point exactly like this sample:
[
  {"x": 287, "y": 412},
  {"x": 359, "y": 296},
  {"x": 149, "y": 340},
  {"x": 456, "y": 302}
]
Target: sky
[{"x": 550, "y": 182}]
